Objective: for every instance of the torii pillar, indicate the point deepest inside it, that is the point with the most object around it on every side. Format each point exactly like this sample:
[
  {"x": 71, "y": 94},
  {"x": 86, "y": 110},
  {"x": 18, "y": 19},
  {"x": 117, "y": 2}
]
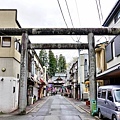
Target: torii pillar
[{"x": 23, "y": 75}]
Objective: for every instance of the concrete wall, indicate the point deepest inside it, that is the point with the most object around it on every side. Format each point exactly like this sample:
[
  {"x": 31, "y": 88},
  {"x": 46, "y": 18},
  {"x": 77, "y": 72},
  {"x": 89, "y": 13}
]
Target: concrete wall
[
  {"x": 9, "y": 51},
  {"x": 8, "y": 97},
  {"x": 12, "y": 67},
  {"x": 8, "y": 19}
]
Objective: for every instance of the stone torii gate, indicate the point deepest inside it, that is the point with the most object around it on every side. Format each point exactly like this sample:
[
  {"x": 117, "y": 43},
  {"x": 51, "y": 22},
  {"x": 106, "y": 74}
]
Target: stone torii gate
[{"x": 90, "y": 32}]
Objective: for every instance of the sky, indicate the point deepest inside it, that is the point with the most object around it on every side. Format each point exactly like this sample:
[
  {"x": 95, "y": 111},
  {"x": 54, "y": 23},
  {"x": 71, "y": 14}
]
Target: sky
[{"x": 47, "y": 14}]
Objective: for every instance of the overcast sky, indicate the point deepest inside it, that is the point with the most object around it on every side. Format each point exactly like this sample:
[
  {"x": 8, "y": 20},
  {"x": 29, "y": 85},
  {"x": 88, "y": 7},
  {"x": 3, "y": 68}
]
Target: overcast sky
[{"x": 47, "y": 14}]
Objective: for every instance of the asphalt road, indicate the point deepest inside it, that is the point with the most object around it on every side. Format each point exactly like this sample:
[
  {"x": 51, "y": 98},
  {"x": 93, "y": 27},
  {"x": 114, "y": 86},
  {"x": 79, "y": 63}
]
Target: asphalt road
[{"x": 55, "y": 108}]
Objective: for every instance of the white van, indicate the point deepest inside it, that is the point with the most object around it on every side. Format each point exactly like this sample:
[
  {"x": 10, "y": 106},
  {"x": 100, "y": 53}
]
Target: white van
[{"x": 108, "y": 102}]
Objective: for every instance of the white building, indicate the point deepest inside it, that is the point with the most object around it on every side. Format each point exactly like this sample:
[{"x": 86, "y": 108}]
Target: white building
[
  {"x": 9, "y": 63},
  {"x": 10, "y": 59}
]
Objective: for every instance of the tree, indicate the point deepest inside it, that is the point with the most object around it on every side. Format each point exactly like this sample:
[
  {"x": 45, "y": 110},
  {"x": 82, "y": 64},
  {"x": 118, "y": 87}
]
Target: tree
[
  {"x": 61, "y": 63},
  {"x": 43, "y": 57},
  {"x": 52, "y": 64}
]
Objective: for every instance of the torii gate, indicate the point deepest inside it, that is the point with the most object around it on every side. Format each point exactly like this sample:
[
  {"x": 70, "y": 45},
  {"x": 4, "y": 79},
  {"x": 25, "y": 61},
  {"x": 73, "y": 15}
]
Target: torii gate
[{"x": 90, "y": 32}]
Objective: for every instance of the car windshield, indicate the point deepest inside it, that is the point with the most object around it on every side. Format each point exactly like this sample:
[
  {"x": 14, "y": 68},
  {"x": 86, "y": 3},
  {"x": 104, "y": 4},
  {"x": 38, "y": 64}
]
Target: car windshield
[{"x": 117, "y": 95}]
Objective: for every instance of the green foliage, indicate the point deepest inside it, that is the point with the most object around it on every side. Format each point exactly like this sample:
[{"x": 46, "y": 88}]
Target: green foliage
[
  {"x": 52, "y": 67},
  {"x": 53, "y": 64},
  {"x": 61, "y": 63},
  {"x": 43, "y": 57}
]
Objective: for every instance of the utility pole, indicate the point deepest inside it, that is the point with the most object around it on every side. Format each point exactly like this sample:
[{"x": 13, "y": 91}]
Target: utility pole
[
  {"x": 92, "y": 71},
  {"x": 79, "y": 79},
  {"x": 23, "y": 75}
]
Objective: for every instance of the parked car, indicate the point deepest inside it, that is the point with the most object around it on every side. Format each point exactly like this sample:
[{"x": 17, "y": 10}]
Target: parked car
[{"x": 108, "y": 102}]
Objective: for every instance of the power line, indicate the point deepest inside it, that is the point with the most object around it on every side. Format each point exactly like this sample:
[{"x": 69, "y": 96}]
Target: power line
[
  {"x": 100, "y": 15},
  {"x": 98, "y": 11},
  {"x": 69, "y": 16},
  {"x": 62, "y": 13},
  {"x": 64, "y": 17},
  {"x": 77, "y": 11},
  {"x": 69, "y": 13},
  {"x": 78, "y": 17}
]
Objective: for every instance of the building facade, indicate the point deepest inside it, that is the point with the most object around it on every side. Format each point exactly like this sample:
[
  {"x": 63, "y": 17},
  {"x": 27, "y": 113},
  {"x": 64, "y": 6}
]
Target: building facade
[
  {"x": 112, "y": 51},
  {"x": 10, "y": 59},
  {"x": 9, "y": 63}
]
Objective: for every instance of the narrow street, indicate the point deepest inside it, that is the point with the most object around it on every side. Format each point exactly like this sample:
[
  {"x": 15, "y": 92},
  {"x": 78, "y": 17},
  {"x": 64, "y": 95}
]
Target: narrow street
[{"x": 55, "y": 108}]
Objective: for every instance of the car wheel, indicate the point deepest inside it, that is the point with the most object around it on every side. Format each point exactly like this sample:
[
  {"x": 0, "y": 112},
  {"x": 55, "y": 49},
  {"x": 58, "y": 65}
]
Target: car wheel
[
  {"x": 100, "y": 114},
  {"x": 114, "y": 117}
]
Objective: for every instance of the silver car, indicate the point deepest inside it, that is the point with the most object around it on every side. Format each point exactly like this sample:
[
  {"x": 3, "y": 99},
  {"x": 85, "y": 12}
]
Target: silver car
[{"x": 108, "y": 102}]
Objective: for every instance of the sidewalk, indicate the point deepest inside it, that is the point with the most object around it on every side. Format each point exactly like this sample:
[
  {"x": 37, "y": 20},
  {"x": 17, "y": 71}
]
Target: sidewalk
[
  {"x": 80, "y": 104},
  {"x": 31, "y": 107}
]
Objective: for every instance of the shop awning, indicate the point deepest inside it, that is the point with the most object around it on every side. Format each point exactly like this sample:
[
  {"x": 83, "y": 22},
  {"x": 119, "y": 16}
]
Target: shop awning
[{"x": 113, "y": 72}]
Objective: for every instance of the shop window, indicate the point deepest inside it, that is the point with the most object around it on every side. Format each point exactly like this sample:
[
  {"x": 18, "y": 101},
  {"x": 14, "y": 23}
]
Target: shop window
[{"x": 6, "y": 41}]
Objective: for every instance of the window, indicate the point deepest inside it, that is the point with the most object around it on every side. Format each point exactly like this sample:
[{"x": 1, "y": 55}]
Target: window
[
  {"x": 117, "y": 95},
  {"x": 109, "y": 95},
  {"x": 6, "y": 41},
  {"x": 117, "y": 17},
  {"x": 109, "y": 52},
  {"x": 13, "y": 89},
  {"x": 18, "y": 46},
  {"x": 117, "y": 45},
  {"x": 103, "y": 95},
  {"x": 17, "y": 76}
]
